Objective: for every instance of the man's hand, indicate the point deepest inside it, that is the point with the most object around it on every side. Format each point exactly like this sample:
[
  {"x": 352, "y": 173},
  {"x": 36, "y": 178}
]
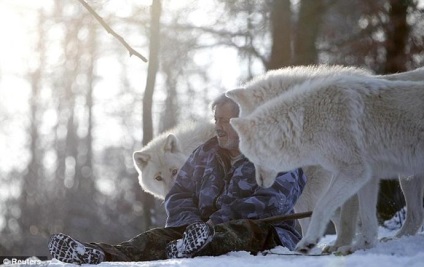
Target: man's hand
[{"x": 196, "y": 236}]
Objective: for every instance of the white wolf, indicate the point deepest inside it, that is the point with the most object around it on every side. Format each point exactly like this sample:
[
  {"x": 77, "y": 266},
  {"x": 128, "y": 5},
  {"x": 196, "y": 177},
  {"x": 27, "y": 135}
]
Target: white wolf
[
  {"x": 354, "y": 126},
  {"x": 159, "y": 161},
  {"x": 273, "y": 83}
]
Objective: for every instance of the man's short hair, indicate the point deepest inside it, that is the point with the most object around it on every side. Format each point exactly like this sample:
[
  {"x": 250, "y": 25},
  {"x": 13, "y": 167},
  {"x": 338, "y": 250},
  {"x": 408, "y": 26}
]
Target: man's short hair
[{"x": 221, "y": 100}]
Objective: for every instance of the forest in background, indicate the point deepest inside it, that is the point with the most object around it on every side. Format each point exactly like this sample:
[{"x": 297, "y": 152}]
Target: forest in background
[{"x": 74, "y": 106}]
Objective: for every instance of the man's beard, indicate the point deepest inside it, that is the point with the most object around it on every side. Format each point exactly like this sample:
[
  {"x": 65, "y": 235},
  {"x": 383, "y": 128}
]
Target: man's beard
[{"x": 229, "y": 144}]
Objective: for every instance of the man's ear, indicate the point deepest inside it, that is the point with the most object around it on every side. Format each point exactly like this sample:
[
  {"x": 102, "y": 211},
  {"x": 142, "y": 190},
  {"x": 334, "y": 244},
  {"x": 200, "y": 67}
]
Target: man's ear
[
  {"x": 141, "y": 158},
  {"x": 171, "y": 144}
]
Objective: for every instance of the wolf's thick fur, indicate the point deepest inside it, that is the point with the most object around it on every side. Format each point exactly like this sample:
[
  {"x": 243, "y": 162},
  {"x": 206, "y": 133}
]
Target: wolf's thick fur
[
  {"x": 413, "y": 75},
  {"x": 158, "y": 162},
  {"x": 268, "y": 86},
  {"x": 354, "y": 126},
  {"x": 274, "y": 82}
]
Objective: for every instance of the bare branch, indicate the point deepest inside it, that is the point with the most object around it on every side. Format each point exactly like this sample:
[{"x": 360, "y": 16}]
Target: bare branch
[
  {"x": 110, "y": 31},
  {"x": 224, "y": 37}
]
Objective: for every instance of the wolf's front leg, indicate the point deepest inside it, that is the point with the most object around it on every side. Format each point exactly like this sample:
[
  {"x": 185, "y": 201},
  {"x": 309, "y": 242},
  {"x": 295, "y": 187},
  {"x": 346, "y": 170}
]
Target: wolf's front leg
[
  {"x": 341, "y": 188},
  {"x": 345, "y": 224},
  {"x": 368, "y": 228}
]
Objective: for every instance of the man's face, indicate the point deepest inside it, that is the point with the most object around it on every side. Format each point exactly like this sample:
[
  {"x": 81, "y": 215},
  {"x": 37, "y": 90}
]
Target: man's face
[{"x": 227, "y": 136}]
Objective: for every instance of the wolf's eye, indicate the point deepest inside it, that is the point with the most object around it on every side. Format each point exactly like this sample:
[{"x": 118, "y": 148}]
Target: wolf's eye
[
  {"x": 174, "y": 172},
  {"x": 158, "y": 178}
]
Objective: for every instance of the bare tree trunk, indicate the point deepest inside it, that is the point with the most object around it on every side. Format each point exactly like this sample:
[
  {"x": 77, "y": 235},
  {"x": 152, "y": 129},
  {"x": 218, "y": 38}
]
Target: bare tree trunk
[
  {"x": 156, "y": 10},
  {"x": 85, "y": 167},
  {"x": 397, "y": 32},
  {"x": 67, "y": 142},
  {"x": 280, "y": 32},
  {"x": 308, "y": 24},
  {"x": 84, "y": 191},
  {"x": 31, "y": 219},
  {"x": 170, "y": 113}
]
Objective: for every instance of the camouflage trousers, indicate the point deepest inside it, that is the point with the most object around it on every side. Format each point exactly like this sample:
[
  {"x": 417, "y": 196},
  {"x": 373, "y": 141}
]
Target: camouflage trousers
[{"x": 246, "y": 235}]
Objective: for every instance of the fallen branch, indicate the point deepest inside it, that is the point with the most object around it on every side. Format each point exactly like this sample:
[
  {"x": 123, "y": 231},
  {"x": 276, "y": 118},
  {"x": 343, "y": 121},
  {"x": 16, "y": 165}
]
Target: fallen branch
[
  {"x": 109, "y": 30},
  {"x": 280, "y": 218}
]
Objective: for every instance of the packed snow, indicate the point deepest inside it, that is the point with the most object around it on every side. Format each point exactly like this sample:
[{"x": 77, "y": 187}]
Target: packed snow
[{"x": 405, "y": 251}]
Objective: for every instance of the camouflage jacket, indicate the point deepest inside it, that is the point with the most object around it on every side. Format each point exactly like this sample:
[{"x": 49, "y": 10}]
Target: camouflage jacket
[{"x": 208, "y": 187}]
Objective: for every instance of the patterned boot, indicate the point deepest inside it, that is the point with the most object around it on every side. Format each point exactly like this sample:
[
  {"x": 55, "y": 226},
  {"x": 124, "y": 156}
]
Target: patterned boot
[
  {"x": 397, "y": 220},
  {"x": 69, "y": 250}
]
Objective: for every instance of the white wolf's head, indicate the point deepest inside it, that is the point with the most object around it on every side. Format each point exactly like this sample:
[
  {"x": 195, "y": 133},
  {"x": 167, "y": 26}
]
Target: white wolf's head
[
  {"x": 247, "y": 100},
  {"x": 253, "y": 148},
  {"x": 158, "y": 166}
]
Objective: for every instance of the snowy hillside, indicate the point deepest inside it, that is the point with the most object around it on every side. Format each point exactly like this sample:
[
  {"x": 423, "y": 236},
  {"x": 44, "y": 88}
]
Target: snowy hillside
[{"x": 406, "y": 251}]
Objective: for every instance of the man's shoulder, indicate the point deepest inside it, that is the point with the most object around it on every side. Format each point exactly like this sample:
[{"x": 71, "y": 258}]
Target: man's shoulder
[
  {"x": 204, "y": 151},
  {"x": 209, "y": 146}
]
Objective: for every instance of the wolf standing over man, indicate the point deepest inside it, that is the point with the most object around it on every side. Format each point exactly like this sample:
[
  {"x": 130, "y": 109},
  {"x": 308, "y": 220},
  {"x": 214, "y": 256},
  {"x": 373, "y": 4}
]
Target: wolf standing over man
[
  {"x": 211, "y": 209},
  {"x": 358, "y": 128}
]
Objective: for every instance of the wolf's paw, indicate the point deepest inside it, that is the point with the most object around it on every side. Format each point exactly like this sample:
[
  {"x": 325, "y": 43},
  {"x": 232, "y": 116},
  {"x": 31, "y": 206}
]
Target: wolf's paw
[
  {"x": 329, "y": 249},
  {"x": 364, "y": 243},
  {"x": 345, "y": 250},
  {"x": 305, "y": 247},
  {"x": 334, "y": 247},
  {"x": 360, "y": 244}
]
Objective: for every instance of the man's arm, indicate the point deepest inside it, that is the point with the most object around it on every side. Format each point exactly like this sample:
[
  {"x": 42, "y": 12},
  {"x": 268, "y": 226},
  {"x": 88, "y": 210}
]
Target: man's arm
[
  {"x": 182, "y": 203},
  {"x": 179, "y": 202}
]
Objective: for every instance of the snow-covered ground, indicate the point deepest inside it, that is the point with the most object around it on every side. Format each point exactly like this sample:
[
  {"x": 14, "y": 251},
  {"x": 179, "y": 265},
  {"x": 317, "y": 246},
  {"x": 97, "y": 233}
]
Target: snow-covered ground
[{"x": 406, "y": 251}]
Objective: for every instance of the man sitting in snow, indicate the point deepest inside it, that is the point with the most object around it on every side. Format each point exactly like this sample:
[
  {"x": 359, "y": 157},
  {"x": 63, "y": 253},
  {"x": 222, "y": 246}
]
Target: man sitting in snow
[{"x": 211, "y": 209}]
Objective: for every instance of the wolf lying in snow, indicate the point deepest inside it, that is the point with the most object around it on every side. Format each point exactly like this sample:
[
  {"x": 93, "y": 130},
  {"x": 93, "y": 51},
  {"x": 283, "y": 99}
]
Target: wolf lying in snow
[
  {"x": 159, "y": 161},
  {"x": 354, "y": 126},
  {"x": 276, "y": 82}
]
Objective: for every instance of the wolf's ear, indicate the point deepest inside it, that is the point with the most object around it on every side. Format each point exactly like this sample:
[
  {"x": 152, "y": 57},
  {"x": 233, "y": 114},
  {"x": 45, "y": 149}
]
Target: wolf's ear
[
  {"x": 241, "y": 97},
  {"x": 141, "y": 158},
  {"x": 242, "y": 125},
  {"x": 171, "y": 144},
  {"x": 236, "y": 94}
]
